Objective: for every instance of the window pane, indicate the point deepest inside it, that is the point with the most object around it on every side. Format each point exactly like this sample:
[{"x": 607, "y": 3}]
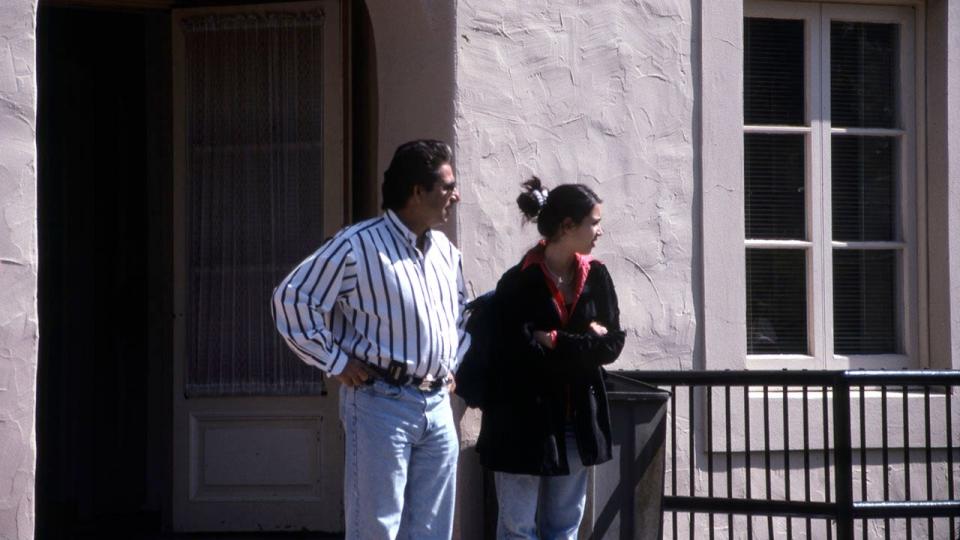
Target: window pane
[
  {"x": 864, "y": 302},
  {"x": 773, "y": 71},
  {"x": 255, "y": 180},
  {"x": 774, "y": 186},
  {"x": 776, "y": 301},
  {"x": 864, "y": 188},
  {"x": 863, "y": 74}
]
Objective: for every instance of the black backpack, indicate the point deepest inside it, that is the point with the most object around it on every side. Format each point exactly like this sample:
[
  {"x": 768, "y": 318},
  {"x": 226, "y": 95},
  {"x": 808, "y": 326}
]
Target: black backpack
[{"x": 473, "y": 371}]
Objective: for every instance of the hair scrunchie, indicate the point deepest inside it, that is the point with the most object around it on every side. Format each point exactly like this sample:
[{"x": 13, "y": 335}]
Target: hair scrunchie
[{"x": 540, "y": 195}]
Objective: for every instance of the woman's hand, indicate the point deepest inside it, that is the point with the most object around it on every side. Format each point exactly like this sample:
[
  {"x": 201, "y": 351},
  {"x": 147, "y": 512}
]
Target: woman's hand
[
  {"x": 544, "y": 338},
  {"x": 598, "y": 328}
]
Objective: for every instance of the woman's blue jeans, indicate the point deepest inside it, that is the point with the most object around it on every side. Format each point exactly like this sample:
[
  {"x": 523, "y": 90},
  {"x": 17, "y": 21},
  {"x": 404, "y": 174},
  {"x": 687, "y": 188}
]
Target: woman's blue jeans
[{"x": 542, "y": 507}]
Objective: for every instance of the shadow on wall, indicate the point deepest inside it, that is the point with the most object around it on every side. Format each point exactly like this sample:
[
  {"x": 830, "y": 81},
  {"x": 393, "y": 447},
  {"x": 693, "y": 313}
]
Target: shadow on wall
[
  {"x": 696, "y": 217},
  {"x": 416, "y": 76},
  {"x": 101, "y": 117}
]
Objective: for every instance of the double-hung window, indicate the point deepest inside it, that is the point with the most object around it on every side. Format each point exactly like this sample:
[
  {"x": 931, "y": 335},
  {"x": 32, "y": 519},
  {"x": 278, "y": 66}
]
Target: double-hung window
[{"x": 830, "y": 186}]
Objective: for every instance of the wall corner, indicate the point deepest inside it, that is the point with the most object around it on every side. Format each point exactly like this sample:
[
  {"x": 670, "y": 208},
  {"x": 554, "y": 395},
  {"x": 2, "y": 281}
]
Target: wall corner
[{"x": 18, "y": 268}]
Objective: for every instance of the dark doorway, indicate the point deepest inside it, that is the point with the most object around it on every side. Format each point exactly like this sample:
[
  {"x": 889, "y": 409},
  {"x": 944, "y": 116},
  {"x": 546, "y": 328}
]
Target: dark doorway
[
  {"x": 105, "y": 223},
  {"x": 103, "y": 382}
]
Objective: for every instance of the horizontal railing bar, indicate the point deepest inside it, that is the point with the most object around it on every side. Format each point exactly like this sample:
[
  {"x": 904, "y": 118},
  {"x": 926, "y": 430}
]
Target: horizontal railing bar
[
  {"x": 905, "y": 509},
  {"x": 815, "y": 510},
  {"x": 735, "y": 378},
  {"x": 899, "y": 377},
  {"x": 750, "y": 507},
  {"x": 794, "y": 378}
]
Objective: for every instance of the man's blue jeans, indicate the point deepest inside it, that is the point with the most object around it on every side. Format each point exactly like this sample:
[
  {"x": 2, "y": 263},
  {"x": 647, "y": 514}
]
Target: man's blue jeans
[
  {"x": 401, "y": 462},
  {"x": 544, "y": 507}
]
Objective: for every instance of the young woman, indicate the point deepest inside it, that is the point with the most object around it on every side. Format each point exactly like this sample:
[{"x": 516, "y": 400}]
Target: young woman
[{"x": 558, "y": 322}]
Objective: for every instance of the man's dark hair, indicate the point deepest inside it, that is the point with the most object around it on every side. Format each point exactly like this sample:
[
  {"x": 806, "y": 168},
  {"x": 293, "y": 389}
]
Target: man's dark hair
[{"x": 414, "y": 163}]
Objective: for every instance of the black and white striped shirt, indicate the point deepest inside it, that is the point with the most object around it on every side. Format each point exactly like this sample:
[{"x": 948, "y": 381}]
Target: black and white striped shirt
[{"x": 370, "y": 294}]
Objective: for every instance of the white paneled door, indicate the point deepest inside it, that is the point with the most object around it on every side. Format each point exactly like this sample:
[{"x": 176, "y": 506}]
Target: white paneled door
[{"x": 258, "y": 150}]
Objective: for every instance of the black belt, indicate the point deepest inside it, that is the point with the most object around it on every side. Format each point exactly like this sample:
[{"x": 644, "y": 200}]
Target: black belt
[{"x": 389, "y": 377}]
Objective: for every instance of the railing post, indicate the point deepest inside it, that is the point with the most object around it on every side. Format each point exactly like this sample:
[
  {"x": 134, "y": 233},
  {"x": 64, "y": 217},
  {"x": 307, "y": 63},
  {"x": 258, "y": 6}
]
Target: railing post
[{"x": 843, "y": 457}]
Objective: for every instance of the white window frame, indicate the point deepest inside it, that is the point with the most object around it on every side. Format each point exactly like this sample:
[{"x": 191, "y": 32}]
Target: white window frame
[
  {"x": 722, "y": 324},
  {"x": 818, "y": 134}
]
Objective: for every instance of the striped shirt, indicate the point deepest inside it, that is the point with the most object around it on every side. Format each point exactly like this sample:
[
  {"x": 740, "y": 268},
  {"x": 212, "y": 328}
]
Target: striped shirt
[{"x": 369, "y": 293}]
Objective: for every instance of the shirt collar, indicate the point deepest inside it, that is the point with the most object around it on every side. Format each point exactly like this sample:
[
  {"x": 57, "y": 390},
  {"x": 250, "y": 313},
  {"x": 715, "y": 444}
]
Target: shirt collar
[
  {"x": 537, "y": 253},
  {"x": 537, "y": 256},
  {"x": 404, "y": 233}
]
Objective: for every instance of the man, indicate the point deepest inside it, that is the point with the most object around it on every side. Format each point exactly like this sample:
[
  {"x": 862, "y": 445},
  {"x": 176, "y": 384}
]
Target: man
[{"x": 380, "y": 307}]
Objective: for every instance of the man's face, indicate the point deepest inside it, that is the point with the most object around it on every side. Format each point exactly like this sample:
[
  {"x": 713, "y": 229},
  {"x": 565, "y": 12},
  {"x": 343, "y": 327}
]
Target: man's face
[{"x": 438, "y": 202}]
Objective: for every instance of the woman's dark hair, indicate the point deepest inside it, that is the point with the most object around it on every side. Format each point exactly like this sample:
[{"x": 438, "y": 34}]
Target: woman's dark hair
[
  {"x": 574, "y": 201},
  {"x": 414, "y": 163}
]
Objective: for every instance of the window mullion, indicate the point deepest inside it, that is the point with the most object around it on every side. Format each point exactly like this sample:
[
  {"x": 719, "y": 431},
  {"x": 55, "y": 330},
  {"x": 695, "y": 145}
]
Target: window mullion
[
  {"x": 869, "y": 132},
  {"x": 919, "y": 253},
  {"x": 824, "y": 237},
  {"x": 868, "y": 245},
  {"x": 908, "y": 195},
  {"x": 775, "y": 129}
]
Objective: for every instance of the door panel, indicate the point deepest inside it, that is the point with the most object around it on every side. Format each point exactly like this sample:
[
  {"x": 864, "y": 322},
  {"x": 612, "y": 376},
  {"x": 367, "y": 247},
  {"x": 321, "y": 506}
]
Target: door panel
[
  {"x": 256, "y": 457},
  {"x": 258, "y": 166}
]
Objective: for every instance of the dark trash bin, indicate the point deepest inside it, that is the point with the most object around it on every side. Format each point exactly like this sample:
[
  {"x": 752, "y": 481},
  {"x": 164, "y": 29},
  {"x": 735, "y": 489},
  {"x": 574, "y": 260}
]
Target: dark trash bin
[{"x": 625, "y": 498}]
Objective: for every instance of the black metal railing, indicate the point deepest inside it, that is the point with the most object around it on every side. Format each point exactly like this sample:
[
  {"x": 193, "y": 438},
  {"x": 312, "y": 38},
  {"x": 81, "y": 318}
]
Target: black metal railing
[{"x": 847, "y": 454}]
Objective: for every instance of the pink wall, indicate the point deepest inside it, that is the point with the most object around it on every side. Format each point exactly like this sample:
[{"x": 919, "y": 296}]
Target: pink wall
[{"x": 18, "y": 267}]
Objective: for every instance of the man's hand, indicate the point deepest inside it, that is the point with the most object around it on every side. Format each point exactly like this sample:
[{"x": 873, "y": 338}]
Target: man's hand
[{"x": 354, "y": 373}]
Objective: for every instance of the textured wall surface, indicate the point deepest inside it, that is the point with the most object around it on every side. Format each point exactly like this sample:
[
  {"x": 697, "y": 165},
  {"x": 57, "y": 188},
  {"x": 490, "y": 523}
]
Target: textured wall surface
[
  {"x": 18, "y": 267},
  {"x": 640, "y": 99},
  {"x": 594, "y": 92}
]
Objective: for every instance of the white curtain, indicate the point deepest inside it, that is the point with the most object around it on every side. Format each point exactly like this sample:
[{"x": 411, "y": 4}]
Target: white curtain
[{"x": 254, "y": 115}]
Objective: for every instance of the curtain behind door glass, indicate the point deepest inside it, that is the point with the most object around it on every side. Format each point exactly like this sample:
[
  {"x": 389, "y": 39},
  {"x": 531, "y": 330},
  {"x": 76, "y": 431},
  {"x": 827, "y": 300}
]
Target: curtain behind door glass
[{"x": 255, "y": 191}]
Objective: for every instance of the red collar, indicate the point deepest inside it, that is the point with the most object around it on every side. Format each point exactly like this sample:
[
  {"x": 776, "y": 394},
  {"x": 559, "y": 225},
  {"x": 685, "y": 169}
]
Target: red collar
[{"x": 536, "y": 256}]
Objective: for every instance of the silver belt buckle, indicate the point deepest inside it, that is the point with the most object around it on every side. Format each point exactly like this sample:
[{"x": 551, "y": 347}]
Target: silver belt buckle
[{"x": 426, "y": 384}]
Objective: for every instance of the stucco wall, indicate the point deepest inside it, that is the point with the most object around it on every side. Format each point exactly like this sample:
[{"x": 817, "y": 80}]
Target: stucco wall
[
  {"x": 594, "y": 92},
  {"x": 18, "y": 267},
  {"x": 600, "y": 93},
  {"x": 639, "y": 99}
]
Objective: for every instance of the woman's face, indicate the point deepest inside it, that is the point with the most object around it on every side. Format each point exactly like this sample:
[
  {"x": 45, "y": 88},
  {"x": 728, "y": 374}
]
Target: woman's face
[{"x": 583, "y": 237}]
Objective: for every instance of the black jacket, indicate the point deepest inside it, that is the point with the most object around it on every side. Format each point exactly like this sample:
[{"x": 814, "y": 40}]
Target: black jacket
[{"x": 534, "y": 392}]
